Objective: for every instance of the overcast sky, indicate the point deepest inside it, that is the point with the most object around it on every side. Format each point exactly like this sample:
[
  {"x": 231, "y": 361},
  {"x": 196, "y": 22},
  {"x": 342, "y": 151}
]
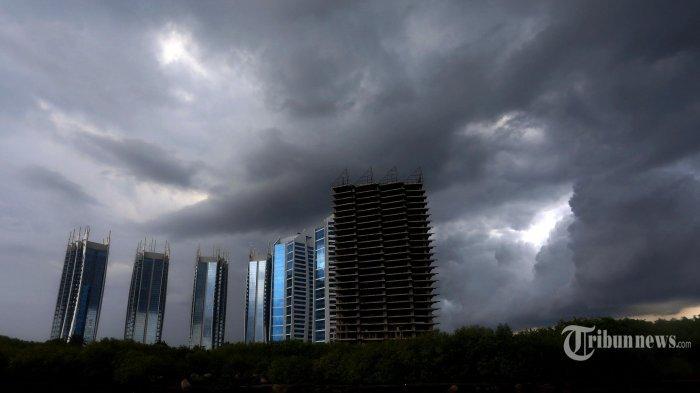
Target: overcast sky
[{"x": 559, "y": 143}]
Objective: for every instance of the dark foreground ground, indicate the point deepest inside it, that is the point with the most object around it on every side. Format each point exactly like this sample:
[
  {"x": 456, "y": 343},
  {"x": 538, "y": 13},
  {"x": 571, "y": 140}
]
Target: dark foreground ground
[
  {"x": 472, "y": 359},
  {"x": 659, "y": 386},
  {"x": 563, "y": 387}
]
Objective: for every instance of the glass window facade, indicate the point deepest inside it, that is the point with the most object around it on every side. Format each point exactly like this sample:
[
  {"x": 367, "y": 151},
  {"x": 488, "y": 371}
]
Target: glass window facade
[
  {"x": 278, "y": 293},
  {"x": 156, "y": 304},
  {"x": 260, "y": 299},
  {"x": 209, "y": 302},
  {"x": 320, "y": 285},
  {"x": 146, "y": 305},
  {"x": 256, "y": 299},
  {"x": 250, "y": 302},
  {"x": 80, "y": 292},
  {"x": 323, "y": 284},
  {"x": 292, "y": 273}
]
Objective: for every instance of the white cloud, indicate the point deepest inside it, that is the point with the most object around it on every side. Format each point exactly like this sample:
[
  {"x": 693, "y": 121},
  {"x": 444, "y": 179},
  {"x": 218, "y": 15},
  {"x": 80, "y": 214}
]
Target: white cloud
[
  {"x": 544, "y": 222},
  {"x": 516, "y": 125},
  {"x": 177, "y": 47},
  {"x": 540, "y": 226},
  {"x": 183, "y": 95},
  {"x": 155, "y": 199},
  {"x": 137, "y": 201}
]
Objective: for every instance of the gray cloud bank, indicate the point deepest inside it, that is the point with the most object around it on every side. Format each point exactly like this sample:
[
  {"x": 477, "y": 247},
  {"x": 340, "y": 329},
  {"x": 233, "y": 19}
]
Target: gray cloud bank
[
  {"x": 46, "y": 179},
  {"x": 558, "y": 140}
]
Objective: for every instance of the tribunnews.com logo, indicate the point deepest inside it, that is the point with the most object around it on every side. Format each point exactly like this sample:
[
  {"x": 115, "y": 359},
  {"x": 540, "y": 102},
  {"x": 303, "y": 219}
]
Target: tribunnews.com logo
[{"x": 581, "y": 341}]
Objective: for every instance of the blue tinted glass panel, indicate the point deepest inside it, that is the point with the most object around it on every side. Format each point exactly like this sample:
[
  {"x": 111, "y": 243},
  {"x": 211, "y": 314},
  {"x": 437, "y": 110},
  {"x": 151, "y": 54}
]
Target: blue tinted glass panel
[
  {"x": 250, "y": 316},
  {"x": 278, "y": 292},
  {"x": 260, "y": 302},
  {"x": 198, "y": 306},
  {"x": 90, "y": 296},
  {"x": 154, "y": 302},
  {"x": 208, "y": 323},
  {"x": 142, "y": 305}
]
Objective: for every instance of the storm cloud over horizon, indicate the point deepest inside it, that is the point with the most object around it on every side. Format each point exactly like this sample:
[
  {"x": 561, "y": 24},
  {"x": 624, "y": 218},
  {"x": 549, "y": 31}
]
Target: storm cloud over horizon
[{"x": 559, "y": 143}]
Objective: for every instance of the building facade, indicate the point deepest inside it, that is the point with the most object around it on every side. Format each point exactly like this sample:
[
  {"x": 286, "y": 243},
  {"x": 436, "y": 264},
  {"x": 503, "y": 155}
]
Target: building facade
[
  {"x": 257, "y": 312},
  {"x": 208, "y": 317},
  {"x": 383, "y": 267},
  {"x": 79, "y": 300},
  {"x": 323, "y": 284},
  {"x": 291, "y": 289},
  {"x": 149, "y": 284}
]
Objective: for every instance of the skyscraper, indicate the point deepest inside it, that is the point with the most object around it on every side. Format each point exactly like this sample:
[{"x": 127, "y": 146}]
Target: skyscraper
[
  {"x": 324, "y": 285},
  {"x": 208, "y": 318},
  {"x": 383, "y": 263},
  {"x": 257, "y": 310},
  {"x": 149, "y": 284},
  {"x": 79, "y": 299},
  {"x": 291, "y": 292}
]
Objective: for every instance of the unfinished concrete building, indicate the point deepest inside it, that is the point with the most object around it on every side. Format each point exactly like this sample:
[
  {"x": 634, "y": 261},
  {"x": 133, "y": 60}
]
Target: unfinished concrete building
[{"x": 383, "y": 263}]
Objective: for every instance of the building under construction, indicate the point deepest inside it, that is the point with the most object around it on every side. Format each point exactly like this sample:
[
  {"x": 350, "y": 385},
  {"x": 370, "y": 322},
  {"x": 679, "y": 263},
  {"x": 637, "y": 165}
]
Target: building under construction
[{"x": 383, "y": 265}]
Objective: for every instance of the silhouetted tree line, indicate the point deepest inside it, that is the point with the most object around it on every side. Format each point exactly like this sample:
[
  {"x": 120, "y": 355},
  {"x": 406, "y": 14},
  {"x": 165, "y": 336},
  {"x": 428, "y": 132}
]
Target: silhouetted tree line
[{"x": 470, "y": 355}]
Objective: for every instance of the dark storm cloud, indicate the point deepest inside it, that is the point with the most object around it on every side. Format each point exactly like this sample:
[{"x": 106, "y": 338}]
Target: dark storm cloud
[
  {"x": 52, "y": 181},
  {"x": 509, "y": 108},
  {"x": 394, "y": 119},
  {"x": 277, "y": 208},
  {"x": 635, "y": 239},
  {"x": 143, "y": 160},
  {"x": 611, "y": 87}
]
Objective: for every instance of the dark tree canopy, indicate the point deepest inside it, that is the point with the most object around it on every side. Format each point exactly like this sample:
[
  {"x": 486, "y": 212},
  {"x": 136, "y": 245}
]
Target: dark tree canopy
[{"x": 469, "y": 356}]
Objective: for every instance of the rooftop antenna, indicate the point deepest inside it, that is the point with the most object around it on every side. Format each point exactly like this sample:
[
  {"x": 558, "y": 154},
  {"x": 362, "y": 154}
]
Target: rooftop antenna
[
  {"x": 416, "y": 177},
  {"x": 392, "y": 176},
  {"x": 367, "y": 178},
  {"x": 342, "y": 179}
]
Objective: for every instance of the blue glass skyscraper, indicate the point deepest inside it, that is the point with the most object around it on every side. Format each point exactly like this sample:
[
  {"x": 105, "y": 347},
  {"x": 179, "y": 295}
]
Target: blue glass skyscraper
[
  {"x": 256, "y": 328},
  {"x": 149, "y": 284},
  {"x": 324, "y": 287},
  {"x": 79, "y": 300},
  {"x": 208, "y": 318},
  {"x": 291, "y": 292}
]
